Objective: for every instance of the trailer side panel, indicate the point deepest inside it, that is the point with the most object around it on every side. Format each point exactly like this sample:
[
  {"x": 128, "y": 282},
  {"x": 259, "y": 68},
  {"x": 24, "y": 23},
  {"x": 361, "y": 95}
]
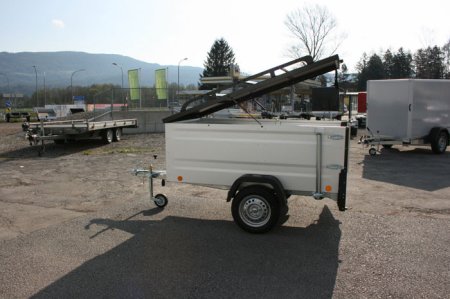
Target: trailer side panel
[
  {"x": 430, "y": 106},
  {"x": 209, "y": 153},
  {"x": 387, "y": 108}
]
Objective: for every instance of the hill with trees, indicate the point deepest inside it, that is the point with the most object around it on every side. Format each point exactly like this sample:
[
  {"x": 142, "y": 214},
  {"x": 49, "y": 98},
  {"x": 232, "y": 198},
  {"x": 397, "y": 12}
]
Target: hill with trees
[{"x": 16, "y": 70}]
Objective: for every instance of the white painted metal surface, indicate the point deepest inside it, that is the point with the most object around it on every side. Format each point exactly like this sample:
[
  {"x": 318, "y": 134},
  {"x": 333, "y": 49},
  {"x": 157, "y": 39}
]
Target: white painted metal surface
[
  {"x": 217, "y": 152},
  {"x": 407, "y": 109}
]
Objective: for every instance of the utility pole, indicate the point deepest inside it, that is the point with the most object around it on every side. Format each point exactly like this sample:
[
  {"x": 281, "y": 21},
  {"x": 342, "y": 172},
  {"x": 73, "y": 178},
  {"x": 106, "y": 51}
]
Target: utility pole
[
  {"x": 71, "y": 81},
  {"x": 37, "y": 101}
]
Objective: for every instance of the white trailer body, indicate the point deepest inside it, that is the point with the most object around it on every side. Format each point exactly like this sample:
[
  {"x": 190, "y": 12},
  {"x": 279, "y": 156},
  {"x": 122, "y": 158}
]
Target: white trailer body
[
  {"x": 406, "y": 111},
  {"x": 306, "y": 156}
]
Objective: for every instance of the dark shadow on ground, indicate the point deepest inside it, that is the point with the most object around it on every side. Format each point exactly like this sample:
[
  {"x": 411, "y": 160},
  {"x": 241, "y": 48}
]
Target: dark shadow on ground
[
  {"x": 191, "y": 258},
  {"x": 53, "y": 150},
  {"x": 419, "y": 168}
]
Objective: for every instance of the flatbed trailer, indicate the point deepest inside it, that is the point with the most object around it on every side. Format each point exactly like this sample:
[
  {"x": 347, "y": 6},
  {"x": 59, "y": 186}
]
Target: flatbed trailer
[{"x": 66, "y": 130}]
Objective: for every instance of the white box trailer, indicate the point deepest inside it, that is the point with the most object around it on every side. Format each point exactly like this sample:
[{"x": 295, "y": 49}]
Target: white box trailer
[
  {"x": 408, "y": 112},
  {"x": 260, "y": 162}
]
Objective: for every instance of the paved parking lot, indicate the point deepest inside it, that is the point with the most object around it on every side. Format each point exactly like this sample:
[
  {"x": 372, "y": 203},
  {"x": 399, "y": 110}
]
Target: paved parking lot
[{"x": 76, "y": 223}]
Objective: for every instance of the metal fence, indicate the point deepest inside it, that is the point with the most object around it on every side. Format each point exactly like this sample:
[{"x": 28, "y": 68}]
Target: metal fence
[{"x": 120, "y": 99}]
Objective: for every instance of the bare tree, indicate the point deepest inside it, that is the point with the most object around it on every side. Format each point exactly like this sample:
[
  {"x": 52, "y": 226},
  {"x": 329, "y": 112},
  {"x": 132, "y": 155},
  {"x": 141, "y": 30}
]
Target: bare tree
[{"x": 315, "y": 29}]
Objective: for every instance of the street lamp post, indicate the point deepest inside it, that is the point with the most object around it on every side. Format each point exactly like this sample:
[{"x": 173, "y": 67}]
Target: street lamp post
[
  {"x": 37, "y": 102},
  {"x": 45, "y": 92},
  {"x": 121, "y": 70},
  {"x": 140, "y": 89},
  {"x": 71, "y": 80},
  {"x": 178, "y": 82}
]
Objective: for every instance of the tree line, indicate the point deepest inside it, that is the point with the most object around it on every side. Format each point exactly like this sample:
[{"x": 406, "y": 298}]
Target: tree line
[
  {"x": 315, "y": 33},
  {"x": 426, "y": 63}
]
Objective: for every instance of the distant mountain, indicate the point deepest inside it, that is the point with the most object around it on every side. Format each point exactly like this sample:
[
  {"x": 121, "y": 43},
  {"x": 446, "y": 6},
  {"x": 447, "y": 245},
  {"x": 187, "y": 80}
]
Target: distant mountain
[{"x": 59, "y": 66}]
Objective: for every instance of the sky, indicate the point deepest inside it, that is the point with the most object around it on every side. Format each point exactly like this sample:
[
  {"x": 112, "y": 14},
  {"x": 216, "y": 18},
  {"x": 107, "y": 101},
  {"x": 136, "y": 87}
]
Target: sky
[{"x": 167, "y": 31}]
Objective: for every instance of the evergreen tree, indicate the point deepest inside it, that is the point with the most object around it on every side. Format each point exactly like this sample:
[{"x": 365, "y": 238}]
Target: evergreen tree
[
  {"x": 429, "y": 63},
  {"x": 371, "y": 69},
  {"x": 362, "y": 72},
  {"x": 375, "y": 68},
  {"x": 420, "y": 59},
  {"x": 388, "y": 64},
  {"x": 219, "y": 60},
  {"x": 398, "y": 65},
  {"x": 446, "y": 51},
  {"x": 402, "y": 65},
  {"x": 345, "y": 79}
]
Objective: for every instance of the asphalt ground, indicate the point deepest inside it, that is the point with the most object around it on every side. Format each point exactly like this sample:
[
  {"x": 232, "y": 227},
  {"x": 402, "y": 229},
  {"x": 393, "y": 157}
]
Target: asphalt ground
[{"x": 96, "y": 233}]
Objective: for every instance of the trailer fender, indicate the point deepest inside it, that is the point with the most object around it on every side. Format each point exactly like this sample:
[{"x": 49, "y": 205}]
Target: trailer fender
[{"x": 259, "y": 179}]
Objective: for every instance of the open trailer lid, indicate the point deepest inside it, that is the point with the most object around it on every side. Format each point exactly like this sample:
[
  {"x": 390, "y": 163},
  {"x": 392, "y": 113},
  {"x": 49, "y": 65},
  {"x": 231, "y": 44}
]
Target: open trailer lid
[{"x": 245, "y": 90}]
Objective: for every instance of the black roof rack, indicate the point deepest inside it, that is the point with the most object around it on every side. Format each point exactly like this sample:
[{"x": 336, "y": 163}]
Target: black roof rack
[{"x": 248, "y": 91}]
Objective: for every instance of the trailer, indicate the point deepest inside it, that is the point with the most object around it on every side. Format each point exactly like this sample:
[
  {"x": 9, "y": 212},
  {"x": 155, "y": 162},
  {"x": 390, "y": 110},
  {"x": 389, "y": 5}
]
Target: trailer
[
  {"x": 408, "y": 112},
  {"x": 17, "y": 115},
  {"x": 261, "y": 162},
  {"x": 67, "y": 130}
]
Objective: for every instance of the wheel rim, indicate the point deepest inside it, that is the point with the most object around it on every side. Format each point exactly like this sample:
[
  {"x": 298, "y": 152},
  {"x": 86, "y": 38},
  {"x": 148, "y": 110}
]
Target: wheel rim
[
  {"x": 442, "y": 142},
  {"x": 118, "y": 134},
  {"x": 109, "y": 135},
  {"x": 255, "y": 211},
  {"x": 159, "y": 200}
]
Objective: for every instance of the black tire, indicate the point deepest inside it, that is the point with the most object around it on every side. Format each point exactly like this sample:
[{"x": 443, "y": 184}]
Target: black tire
[
  {"x": 108, "y": 136},
  {"x": 387, "y": 146},
  {"x": 117, "y": 134},
  {"x": 372, "y": 151},
  {"x": 161, "y": 200},
  {"x": 256, "y": 209},
  {"x": 438, "y": 140}
]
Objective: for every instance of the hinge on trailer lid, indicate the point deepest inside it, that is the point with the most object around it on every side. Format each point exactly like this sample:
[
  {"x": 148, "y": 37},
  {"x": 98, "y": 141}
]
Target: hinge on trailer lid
[
  {"x": 336, "y": 137},
  {"x": 318, "y": 195},
  {"x": 335, "y": 167}
]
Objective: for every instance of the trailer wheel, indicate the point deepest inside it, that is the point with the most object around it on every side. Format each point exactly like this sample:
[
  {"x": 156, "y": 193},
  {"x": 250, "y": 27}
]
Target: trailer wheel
[
  {"x": 372, "y": 151},
  {"x": 255, "y": 209},
  {"x": 439, "y": 140},
  {"x": 108, "y": 136},
  {"x": 161, "y": 200},
  {"x": 117, "y": 134}
]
